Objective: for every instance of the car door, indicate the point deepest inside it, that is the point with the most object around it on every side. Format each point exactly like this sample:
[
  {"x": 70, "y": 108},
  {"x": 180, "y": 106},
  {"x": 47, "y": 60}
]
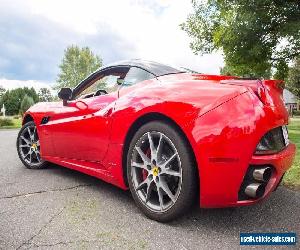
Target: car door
[{"x": 81, "y": 130}]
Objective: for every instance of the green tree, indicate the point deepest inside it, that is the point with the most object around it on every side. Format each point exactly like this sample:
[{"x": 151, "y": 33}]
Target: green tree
[
  {"x": 282, "y": 70},
  {"x": 253, "y": 35},
  {"x": 4, "y": 99},
  {"x": 76, "y": 65},
  {"x": 31, "y": 93},
  {"x": 293, "y": 82},
  {"x": 26, "y": 103},
  {"x": 45, "y": 95},
  {"x": 12, "y": 99},
  {"x": 2, "y": 91}
]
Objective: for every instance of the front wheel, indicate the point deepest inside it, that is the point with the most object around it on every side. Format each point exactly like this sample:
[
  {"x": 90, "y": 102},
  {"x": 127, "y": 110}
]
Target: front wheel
[
  {"x": 161, "y": 171},
  {"x": 28, "y": 147}
]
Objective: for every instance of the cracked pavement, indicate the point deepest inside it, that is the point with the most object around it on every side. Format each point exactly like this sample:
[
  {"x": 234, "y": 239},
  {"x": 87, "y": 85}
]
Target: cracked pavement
[{"x": 57, "y": 208}]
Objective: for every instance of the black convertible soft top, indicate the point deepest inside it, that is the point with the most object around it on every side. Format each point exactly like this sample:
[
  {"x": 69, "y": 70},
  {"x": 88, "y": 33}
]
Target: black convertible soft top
[{"x": 155, "y": 68}]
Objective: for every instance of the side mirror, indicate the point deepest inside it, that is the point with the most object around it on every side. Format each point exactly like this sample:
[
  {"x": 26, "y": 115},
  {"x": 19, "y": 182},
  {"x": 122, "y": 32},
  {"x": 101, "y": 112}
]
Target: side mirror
[{"x": 65, "y": 94}]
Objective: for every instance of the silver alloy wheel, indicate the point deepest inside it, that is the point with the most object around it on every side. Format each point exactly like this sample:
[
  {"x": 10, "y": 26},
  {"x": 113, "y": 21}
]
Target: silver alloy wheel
[
  {"x": 156, "y": 171},
  {"x": 29, "y": 146}
]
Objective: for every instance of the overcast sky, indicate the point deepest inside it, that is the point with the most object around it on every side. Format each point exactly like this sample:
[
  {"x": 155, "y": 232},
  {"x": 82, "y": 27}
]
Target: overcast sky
[{"x": 34, "y": 34}]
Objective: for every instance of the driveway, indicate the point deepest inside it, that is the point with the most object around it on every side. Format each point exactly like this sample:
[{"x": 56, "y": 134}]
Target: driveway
[{"x": 62, "y": 209}]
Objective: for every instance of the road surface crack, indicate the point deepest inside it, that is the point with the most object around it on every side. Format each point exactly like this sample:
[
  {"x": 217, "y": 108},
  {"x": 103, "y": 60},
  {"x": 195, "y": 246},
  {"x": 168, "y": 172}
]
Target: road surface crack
[
  {"x": 44, "y": 191},
  {"x": 60, "y": 243},
  {"x": 28, "y": 242}
]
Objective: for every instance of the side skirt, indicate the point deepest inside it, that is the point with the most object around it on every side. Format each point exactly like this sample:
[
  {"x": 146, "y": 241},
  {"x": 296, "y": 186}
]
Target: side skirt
[{"x": 90, "y": 168}]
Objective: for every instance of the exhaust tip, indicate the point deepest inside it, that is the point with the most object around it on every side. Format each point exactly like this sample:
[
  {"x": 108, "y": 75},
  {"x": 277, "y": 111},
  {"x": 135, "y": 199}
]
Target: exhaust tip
[
  {"x": 262, "y": 174},
  {"x": 255, "y": 190}
]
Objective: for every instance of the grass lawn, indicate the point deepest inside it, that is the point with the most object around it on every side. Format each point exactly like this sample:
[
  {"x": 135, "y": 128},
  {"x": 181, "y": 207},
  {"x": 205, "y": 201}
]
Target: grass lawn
[
  {"x": 292, "y": 177},
  {"x": 16, "y": 123}
]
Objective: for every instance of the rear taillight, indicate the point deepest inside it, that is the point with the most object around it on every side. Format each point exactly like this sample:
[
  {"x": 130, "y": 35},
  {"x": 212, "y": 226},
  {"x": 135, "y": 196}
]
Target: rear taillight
[{"x": 273, "y": 141}]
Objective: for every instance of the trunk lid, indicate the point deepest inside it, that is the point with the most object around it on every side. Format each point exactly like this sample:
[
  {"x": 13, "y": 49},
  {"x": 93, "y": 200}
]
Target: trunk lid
[{"x": 270, "y": 92}]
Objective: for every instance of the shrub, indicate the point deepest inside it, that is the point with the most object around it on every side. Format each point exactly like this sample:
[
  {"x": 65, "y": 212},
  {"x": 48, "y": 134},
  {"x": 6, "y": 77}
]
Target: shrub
[
  {"x": 296, "y": 113},
  {"x": 6, "y": 122},
  {"x": 26, "y": 103}
]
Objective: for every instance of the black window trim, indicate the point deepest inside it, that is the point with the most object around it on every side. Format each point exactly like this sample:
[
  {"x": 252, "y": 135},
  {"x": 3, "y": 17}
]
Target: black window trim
[{"x": 84, "y": 83}]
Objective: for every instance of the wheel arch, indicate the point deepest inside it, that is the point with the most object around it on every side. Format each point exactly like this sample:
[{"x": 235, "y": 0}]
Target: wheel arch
[
  {"x": 27, "y": 118},
  {"x": 146, "y": 118}
]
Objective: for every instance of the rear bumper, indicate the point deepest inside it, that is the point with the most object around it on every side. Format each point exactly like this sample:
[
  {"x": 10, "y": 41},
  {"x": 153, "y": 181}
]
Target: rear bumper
[
  {"x": 224, "y": 141},
  {"x": 227, "y": 195},
  {"x": 280, "y": 162}
]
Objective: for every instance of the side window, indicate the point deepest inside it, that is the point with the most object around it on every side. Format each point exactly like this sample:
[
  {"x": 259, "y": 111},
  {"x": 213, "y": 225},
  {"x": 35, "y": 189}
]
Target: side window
[
  {"x": 107, "y": 82},
  {"x": 136, "y": 75}
]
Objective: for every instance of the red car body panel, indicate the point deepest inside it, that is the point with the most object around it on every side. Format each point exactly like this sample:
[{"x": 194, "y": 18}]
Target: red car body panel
[{"x": 222, "y": 117}]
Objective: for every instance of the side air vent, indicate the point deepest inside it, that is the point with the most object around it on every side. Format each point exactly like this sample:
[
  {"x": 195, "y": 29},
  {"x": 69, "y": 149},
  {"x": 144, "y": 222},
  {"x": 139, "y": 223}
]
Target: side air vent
[{"x": 45, "y": 120}]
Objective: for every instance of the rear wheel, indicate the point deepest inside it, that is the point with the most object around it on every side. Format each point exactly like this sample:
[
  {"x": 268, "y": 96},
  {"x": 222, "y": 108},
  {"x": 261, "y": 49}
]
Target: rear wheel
[
  {"x": 161, "y": 171},
  {"x": 28, "y": 147}
]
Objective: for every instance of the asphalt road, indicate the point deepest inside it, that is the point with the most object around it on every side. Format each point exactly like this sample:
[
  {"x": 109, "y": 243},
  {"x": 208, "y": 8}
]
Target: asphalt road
[{"x": 63, "y": 209}]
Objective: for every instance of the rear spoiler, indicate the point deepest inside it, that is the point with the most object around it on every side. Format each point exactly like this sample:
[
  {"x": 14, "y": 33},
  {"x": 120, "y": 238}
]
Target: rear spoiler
[{"x": 265, "y": 90}]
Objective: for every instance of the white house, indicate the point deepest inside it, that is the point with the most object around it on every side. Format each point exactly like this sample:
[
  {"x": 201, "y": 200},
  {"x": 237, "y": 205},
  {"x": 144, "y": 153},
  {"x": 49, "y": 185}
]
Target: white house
[{"x": 291, "y": 101}]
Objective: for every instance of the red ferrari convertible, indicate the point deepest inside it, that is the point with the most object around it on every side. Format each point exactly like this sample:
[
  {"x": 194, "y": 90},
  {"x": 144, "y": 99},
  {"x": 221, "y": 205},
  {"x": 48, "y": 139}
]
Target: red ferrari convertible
[{"x": 171, "y": 136}]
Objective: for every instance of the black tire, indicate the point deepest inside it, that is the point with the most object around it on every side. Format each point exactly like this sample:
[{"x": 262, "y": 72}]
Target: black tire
[
  {"x": 34, "y": 165},
  {"x": 189, "y": 179}
]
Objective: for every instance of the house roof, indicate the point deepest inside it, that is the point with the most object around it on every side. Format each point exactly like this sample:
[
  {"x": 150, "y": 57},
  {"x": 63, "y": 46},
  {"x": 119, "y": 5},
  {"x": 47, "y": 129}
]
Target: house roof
[{"x": 289, "y": 97}]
